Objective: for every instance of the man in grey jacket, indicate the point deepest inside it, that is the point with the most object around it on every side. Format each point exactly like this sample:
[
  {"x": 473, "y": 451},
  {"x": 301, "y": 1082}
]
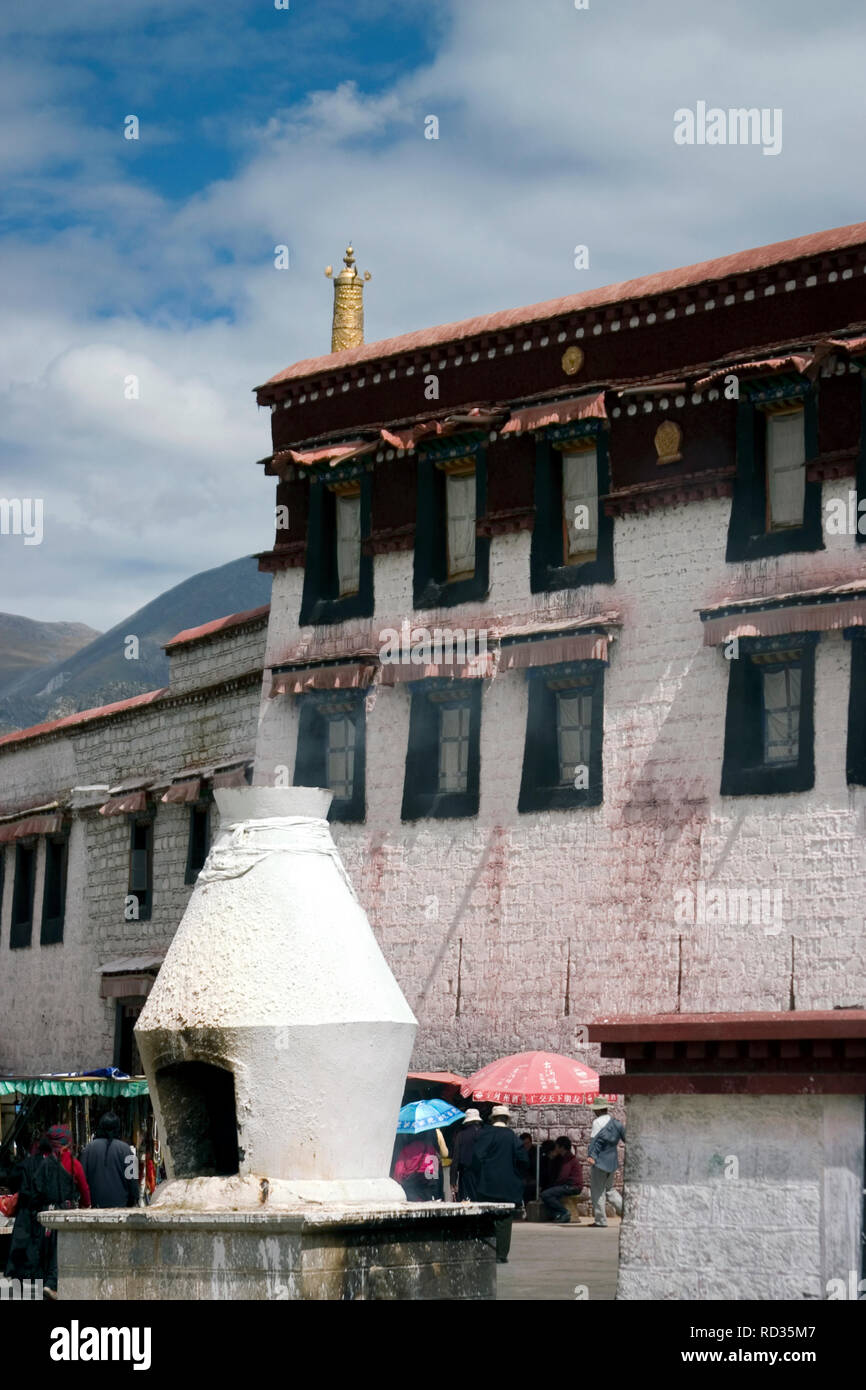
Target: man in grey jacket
[{"x": 602, "y": 1158}]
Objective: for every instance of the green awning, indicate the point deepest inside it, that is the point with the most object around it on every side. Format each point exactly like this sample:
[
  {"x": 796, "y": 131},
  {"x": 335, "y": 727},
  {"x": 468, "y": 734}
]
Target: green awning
[{"x": 71, "y": 1086}]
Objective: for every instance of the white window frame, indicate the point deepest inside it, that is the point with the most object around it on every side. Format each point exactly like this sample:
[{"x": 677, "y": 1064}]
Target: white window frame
[
  {"x": 347, "y": 524},
  {"x": 785, "y": 457},
  {"x": 460, "y": 512},
  {"x": 579, "y": 545}
]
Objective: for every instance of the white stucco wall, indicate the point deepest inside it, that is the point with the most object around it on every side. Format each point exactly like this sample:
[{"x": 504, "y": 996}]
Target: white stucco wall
[
  {"x": 499, "y": 900},
  {"x": 741, "y": 1197}
]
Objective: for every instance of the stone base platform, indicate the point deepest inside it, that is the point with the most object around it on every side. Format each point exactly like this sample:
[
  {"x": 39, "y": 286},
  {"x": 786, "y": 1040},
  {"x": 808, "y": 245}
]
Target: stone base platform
[{"x": 412, "y": 1250}]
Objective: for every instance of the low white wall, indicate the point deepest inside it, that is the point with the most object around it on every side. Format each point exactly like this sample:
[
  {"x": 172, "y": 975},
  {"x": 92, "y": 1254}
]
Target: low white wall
[{"x": 741, "y": 1197}]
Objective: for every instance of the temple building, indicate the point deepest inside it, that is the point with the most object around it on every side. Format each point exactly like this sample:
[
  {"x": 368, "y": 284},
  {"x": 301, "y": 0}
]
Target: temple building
[{"x": 569, "y": 612}]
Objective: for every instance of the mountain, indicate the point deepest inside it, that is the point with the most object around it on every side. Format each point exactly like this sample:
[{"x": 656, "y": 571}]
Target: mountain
[
  {"x": 99, "y": 673},
  {"x": 25, "y": 644}
]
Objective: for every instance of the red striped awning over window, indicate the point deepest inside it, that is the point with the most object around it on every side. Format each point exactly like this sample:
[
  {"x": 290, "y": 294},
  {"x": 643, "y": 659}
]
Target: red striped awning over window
[
  {"x": 126, "y": 804},
  {"x": 31, "y": 825},
  {"x": 537, "y": 417},
  {"x": 346, "y": 676},
  {"x": 179, "y": 793},
  {"x": 328, "y": 453},
  {"x": 827, "y": 610},
  {"x": 794, "y": 362},
  {"x": 479, "y": 667},
  {"x": 553, "y": 651},
  {"x": 478, "y": 418}
]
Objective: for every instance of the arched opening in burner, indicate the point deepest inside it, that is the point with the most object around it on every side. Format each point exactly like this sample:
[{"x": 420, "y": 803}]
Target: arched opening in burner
[{"x": 199, "y": 1118}]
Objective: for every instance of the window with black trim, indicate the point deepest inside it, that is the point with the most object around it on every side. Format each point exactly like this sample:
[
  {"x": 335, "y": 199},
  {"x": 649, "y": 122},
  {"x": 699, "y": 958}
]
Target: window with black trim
[
  {"x": 54, "y": 892},
  {"x": 856, "y": 754},
  {"x": 126, "y": 1055},
  {"x": 23, "y": 893},
  {"x": 198, "y": 842},
  {"x": 443, "y": 757},
  {"x": 141, "y": 867},
  {"x": 775, "y": 508},
  {"x": 769, "y": 725},
  {"x": 562, "y": 758},
  {"x": 572, "y": 540},
  {"x": 332, "y": 749},
  {"x": 338, "y": 575},
  {"x": 452, "y": 562}
]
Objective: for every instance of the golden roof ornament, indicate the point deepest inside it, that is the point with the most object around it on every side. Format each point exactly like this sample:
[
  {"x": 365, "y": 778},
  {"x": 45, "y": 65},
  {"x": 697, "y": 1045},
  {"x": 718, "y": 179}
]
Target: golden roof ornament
[{"x": 347, "y": 329}]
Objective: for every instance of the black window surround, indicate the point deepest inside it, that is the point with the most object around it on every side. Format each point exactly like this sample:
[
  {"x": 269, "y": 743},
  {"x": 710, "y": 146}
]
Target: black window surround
[
  {"x": 547, "y": 570},
  {"x": 422, "y": 798},
  {"x": 431, "y": 587},
  {"x": 317, "y": 708},
  {"x": 321, "y": 601},
  {"x": 746, "y": 770},
  {"x": 141, "y": 865},
  {"x": 54, "y": 890},
  {"x": 198, "y": 840},
  {"x": 23, "y": 894},
  {"x": 855, "y": 760},
  {"x": 748, "y": 536},
  {"x": 541, "y": 785}
]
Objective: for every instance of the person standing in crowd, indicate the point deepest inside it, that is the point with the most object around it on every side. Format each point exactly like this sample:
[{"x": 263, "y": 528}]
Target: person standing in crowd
[
  {"x": 499, "y": 1166},
  {"x": 463, "y": 1147},
  {"x": 417, "y": 1168},
  {"x": 48, "y": 1181},
  {"x": 60, "y": 1139},
  {"x": 603, "y": 1159},
  {"x": 110, "y": 1166},
  {"x": 569, "y": 1180}
]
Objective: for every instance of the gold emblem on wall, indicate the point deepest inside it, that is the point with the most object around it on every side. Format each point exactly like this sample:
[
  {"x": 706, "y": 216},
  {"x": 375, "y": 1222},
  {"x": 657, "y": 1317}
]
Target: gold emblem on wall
[
  {"x": 668, "y": 438},
  {"x": 572, "y": 360}
]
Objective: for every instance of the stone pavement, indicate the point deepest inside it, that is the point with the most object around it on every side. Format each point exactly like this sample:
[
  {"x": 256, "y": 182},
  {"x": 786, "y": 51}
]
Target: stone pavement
[{"x": 547, "y": 1261}]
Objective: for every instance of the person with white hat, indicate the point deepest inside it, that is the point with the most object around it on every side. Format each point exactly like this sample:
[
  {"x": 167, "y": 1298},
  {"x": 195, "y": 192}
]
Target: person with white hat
[
  {"x": 499, "y": 1168},
  {"x": 602, "y": 1157},
  {"x": 462, "y": 1157}
]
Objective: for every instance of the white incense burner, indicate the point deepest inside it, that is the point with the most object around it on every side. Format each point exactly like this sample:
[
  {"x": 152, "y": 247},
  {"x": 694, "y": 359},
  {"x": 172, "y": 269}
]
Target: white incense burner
[{"x": 275, "y": 1040}]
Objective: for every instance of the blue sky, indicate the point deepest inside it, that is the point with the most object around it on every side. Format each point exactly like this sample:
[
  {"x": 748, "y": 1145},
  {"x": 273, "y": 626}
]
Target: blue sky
[{"x": 305, "y": 126}]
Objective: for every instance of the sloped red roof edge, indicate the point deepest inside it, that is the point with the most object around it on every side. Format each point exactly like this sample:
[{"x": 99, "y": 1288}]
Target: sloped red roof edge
[
  {"x": 83, "y": 716},
  {"x": 738, "y": 263},
  {"x": 750, "y": 1025},
  {"x": 194, "y": 634}
]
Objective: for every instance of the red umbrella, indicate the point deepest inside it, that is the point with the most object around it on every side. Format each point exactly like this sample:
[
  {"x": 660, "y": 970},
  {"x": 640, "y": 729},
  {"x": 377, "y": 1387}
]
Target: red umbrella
[{"x": 534, "y": 1078}]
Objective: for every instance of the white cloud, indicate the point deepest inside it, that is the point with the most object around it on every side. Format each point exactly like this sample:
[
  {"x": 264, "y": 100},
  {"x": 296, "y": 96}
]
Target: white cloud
[{"x": 556, "y": 127}]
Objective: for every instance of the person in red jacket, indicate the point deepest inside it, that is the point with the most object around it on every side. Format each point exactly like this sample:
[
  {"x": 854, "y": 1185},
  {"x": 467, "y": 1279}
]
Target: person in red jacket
[
  {"x": 569, "y": 1180},
  {"x": 60, "y": 1140}
]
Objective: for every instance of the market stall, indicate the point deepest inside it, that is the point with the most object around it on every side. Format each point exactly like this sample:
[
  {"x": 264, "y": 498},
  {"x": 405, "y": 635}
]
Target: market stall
[{"x": 30, "y": 1104}]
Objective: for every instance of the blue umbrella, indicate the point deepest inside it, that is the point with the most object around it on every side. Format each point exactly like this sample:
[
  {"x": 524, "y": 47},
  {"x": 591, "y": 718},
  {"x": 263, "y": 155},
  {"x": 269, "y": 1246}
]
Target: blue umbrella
[{"x": 421, "y": 1115}]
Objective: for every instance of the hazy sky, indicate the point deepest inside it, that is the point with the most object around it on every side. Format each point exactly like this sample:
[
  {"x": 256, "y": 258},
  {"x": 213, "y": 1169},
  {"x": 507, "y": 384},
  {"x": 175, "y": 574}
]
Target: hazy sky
[{"x": 305, "y": 127}]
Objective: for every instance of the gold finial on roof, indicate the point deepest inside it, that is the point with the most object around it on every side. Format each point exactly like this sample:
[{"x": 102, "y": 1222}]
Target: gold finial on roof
[{"x": 347, "y": 329}]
